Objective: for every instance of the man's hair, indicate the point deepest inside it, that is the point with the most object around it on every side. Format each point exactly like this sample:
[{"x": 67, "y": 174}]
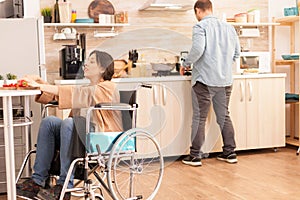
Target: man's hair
[
  {"x": 203, "y": 5},
  {"x": 105, "y": 60}
]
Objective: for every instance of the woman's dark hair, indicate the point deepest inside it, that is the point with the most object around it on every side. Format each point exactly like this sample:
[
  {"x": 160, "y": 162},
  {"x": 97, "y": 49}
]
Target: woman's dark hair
[
  {"x": 105, "y": 60},
  {"x": 203, "y": 5}
]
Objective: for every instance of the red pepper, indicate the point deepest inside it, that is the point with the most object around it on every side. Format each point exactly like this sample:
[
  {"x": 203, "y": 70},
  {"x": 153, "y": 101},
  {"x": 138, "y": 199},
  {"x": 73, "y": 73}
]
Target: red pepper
[{"x": 22, "y": 83}]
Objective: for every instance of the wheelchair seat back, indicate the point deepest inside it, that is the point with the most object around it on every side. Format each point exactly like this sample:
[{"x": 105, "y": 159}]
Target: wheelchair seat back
[
  {"x": 106, "y": 140},
  {"x": 129, "y": 97}
]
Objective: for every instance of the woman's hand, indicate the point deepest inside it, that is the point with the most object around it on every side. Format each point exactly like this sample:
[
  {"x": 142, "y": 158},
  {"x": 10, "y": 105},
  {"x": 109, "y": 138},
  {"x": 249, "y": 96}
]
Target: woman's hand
[
  {"x": 31, "y": 82},
  {"x": 36, "y": 78}
]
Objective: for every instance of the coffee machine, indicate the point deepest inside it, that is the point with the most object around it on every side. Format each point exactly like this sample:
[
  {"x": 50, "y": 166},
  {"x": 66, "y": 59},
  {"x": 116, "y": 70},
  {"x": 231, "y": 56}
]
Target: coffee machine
[{"x": 72, "y": 59}]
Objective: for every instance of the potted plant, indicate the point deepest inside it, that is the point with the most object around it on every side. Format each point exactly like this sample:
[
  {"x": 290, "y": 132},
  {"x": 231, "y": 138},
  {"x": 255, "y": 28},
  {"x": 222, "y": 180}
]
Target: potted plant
[
  {"x": 47, "y": 14},
  {"x": 11, "y": 79}
]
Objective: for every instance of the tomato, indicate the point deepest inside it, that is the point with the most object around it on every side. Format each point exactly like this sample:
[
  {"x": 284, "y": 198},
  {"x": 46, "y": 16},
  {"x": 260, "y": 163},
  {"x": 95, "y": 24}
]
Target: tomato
[{"x": 10, "y": 85}]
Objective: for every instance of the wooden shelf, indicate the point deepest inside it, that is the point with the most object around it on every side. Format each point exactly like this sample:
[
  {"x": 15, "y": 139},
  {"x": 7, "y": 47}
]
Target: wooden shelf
[
  {"x": 255, "y": 24},
  {"x": 84, "y": 25},
  {"x": 287, "y": 20},
  {"x": 292, "y": 22},
  {"x": 291, "y": 102},
  {"x": 285, "y": 62}
]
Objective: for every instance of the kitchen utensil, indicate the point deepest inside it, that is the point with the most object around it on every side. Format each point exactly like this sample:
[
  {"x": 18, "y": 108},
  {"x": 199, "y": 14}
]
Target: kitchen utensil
[
  {"x": 59, "y": 36},
  {"x": 70, "y": 33},
  {"x": 97, "y": 7},
  {"x": 163, "y": 66}
]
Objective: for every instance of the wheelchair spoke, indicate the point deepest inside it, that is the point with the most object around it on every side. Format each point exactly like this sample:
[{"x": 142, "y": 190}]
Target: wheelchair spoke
[{"x": 136, "y": 173}]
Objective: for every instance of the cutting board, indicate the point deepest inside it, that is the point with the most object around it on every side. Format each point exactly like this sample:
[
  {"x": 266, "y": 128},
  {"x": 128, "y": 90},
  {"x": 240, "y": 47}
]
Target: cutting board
[{"x": 97, "y": 7}]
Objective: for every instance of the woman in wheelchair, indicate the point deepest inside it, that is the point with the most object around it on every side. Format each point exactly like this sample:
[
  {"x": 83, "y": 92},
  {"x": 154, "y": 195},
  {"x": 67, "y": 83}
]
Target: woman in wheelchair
[{"x": 56, "y": 134}]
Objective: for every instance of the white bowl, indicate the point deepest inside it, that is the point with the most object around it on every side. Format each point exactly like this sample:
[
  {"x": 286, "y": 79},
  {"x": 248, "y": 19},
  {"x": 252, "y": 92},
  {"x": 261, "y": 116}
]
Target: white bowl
[{"x": 59, "y": 36}]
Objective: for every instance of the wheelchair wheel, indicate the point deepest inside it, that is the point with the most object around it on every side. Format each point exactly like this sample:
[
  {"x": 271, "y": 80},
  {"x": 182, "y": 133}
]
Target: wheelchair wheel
[{"x": 135, "y": 166}]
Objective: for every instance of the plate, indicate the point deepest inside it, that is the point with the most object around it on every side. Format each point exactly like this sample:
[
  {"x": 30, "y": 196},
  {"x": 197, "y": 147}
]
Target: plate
[
  {"x": 97, "y": 7},
  {"x": 286, "y": 57},
  {"x": 290, "y": 57},
  {"x": 86, "y": 20}
]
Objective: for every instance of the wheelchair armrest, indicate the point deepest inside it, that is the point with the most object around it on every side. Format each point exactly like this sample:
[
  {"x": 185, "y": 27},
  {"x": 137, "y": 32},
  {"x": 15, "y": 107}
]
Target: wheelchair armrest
[
  {"x": 54, "y": 102},
  {"x": 113, "y": 105},
  {"x": 50, "y": 104}
]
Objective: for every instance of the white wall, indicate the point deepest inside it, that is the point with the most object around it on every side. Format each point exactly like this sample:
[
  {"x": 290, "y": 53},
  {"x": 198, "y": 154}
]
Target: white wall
[{"x": 31, "y": 8}]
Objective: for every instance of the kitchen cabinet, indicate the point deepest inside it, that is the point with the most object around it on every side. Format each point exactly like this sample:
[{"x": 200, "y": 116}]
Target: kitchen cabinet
[
  {"x": 291, "y": 22},
  {"x": 256, "y": 110},
  {"x": 165, "y": 111},
  {"x": 257, "y": 113}
]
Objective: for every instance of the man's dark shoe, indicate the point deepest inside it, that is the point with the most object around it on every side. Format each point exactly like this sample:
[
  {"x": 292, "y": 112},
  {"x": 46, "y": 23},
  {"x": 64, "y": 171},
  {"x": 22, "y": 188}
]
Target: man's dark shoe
[
  {"x": 53, "y": 193},
  {"x": 230, "y": 158},
  {"x": 28, "y": 189},
  {"x": 193, "y": 161}
]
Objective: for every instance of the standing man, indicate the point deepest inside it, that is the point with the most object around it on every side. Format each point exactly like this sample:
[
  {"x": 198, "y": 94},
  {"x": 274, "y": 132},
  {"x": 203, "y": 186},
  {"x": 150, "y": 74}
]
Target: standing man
[{"x": 214, "y": 49}]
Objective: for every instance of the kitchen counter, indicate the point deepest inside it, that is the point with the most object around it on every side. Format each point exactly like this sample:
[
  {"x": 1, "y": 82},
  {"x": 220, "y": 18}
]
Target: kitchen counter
[
  {"x": 263, "y": 75},
  {"x": 166, "y": 109},
  {"x": 165, "y": 78}
]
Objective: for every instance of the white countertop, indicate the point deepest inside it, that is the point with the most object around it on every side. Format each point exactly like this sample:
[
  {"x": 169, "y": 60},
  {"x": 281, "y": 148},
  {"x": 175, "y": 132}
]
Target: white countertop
[
  {"x": 166, "y": 78},
  {"x": 262, "y": 75},
  {"x": 6, "y": 93}
]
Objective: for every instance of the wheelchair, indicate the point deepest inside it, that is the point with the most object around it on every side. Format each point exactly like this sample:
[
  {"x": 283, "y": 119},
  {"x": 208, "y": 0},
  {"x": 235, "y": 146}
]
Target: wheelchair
[{"x": 119, "y": 165}]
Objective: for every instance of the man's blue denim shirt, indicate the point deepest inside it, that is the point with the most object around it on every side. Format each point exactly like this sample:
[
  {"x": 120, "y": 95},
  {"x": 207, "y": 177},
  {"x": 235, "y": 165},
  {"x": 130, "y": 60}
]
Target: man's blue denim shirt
[{"x": 214, "y": 51}]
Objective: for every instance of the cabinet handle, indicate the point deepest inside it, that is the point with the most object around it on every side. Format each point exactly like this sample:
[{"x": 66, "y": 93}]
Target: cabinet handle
[
  {"x": 164, "y": 94},
  {"x": 242, "y": 91},
  {"x": 155, "y": 95},
  {"x": 250, "y": 90}
]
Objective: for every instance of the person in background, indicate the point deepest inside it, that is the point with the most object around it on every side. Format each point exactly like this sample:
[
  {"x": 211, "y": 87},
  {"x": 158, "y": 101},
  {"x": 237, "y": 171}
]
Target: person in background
[
  {"x": 215, "y": 47},
  {"x": 56, "y": 134}
]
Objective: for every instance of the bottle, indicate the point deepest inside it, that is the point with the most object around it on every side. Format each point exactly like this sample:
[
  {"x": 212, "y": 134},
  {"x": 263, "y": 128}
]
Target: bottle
[
  {"x": 73, "y": 16},
  {"x": 56, "y": 12},
  {"x": 65, "y": 12}
]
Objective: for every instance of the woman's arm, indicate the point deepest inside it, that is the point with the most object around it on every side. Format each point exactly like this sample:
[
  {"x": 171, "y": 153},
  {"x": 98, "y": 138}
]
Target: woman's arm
[
  {"x": 36, "y": 81},
  {"x": 53, "y": 89}
]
